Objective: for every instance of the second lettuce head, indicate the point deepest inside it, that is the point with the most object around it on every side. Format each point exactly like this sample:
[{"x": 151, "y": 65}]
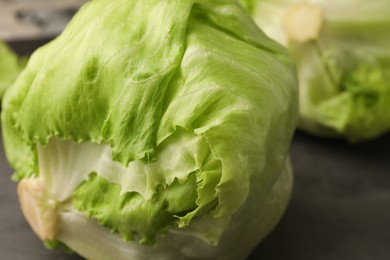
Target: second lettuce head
[{"x": 342, "y": 52}]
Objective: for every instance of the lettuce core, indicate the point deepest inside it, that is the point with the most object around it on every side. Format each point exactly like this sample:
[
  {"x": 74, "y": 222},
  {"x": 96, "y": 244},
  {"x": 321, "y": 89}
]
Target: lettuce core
[{"x": 303, "y": 22}]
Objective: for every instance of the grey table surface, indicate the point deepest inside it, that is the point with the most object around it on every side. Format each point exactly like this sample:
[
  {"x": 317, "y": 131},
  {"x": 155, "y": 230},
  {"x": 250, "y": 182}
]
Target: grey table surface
[{"x": 340, "y": 206}]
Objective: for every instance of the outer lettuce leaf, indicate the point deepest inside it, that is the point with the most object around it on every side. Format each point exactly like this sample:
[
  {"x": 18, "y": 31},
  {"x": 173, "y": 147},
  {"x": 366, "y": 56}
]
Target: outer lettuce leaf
[
  {"x": 130, "y": 214},
  {"x": 169, "y": 133},
  {"x": 344, "y": 72}
]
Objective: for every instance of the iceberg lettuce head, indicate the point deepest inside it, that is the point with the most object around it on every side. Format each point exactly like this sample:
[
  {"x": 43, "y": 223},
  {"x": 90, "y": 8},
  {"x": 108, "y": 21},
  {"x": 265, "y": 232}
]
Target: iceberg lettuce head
[
  {"x": 342, "y": 52},
  {"x": 154, "y": 130}
]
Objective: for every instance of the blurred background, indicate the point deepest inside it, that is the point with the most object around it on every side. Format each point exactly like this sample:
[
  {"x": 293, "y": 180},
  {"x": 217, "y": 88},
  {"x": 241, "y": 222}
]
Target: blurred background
[
  {"x": 340, "y": 206},
  {"x": 35, "y": 21},
  {"x": 32, "y": 19}
]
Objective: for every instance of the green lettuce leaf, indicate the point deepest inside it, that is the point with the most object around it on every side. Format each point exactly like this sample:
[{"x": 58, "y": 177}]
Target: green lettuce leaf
[{"x": 10, "y": 66}]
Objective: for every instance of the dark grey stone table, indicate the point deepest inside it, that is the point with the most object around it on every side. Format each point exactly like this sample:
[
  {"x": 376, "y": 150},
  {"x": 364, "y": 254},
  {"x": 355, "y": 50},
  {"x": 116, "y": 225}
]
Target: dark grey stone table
[{"x": 340, "y": 206}]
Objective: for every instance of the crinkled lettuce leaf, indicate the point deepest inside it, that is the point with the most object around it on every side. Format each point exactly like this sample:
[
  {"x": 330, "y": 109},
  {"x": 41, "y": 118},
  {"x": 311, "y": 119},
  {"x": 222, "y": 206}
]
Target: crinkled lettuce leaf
[
  {"x": 344, "y": 72},
  {"x": 154, "y": 128}
]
